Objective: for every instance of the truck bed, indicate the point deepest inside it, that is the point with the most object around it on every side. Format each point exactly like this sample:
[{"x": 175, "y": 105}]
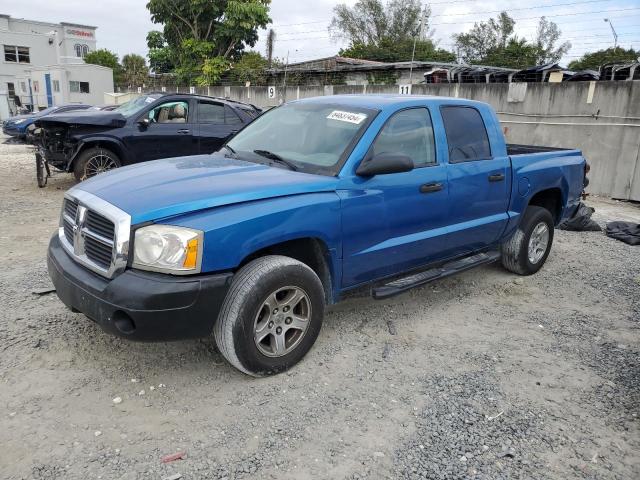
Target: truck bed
[{"x": 515, "y": 149}]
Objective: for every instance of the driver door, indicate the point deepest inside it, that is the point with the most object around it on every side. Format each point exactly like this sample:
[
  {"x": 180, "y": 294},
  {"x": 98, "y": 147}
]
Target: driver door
[
  {"x": 395, "y": 222},
  {"x": 168, "y": 133}
]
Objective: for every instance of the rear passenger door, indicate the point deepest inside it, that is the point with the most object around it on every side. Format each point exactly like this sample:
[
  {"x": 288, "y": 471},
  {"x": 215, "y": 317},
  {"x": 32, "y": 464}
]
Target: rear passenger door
[
  {"x": 217, "y": 122},
  {"x": 478, "y": 180}
]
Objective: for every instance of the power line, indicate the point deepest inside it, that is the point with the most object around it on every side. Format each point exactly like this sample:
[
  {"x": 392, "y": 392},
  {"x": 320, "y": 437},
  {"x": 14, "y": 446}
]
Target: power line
[
  {"x": 482, "y": 12},
  {"x": 521, "y": 8}
]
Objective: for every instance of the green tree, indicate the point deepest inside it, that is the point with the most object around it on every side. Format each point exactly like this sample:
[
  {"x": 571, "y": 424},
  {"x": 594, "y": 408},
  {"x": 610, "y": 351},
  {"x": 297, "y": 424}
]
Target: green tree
[
  {"x": 484, "y": 37},
  {"x": 547, "y": 37},
  {"x": 250, "y": 68},
  {"x": 135, "y": 70},
  {"x": 399, "y": 51},
  {"x": 517, "y": 53},
  {"x": 106, "y": 58},
  {"x": 160, "y": 54},
  {"x": 204, "y": 36},
  {"x": 593, "y": 60},
  {"x": 494, "y": 43},
  {"x": 369, "y": 22}
]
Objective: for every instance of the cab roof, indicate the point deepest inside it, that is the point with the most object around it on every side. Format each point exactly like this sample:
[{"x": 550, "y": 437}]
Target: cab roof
[{"x": 388, "y": 101}]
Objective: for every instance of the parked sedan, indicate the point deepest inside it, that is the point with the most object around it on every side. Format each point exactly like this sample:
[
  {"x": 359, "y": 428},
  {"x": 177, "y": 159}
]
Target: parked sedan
[
  {"x": 148, "y": 128},
  {"x": 17, "y": 126}
]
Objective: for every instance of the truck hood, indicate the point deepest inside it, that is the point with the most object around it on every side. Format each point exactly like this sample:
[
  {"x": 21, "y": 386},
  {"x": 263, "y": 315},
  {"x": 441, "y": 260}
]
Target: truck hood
[
  {"x": 163, "y": 188},
  {"x": 83, "y": 117}
]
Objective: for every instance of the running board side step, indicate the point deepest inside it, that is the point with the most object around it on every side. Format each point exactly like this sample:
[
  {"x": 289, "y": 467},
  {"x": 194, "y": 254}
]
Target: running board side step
[{"x": 403, "y": 284}]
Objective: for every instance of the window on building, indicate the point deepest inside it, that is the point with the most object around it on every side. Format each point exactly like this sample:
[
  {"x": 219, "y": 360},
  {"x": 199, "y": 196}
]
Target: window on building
[
  {"x": 13, "y": 53},
  {"x": 410, "y": 133},
  {"x": 81, "y": 50},
  {"x": 23, "y": 87},
  {"x": 56, "y": 86},
  {"x": 36, "y": 86},
  {"x": 11, "y": 89},
  {"x": 78, "y": 87}
]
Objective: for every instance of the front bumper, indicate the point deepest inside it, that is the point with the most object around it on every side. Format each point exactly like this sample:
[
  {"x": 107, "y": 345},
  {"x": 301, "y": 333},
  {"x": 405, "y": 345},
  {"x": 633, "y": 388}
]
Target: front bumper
[
  {"x": 12, "y": 131},
  {"x": 139, "y": 305}
]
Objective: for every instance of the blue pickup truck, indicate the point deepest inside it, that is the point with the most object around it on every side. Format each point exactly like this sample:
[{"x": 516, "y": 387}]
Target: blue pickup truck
[{"x": 309, "y": 201}]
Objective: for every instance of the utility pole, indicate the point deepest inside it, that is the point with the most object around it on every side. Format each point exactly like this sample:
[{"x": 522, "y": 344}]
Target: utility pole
[
  {"x": 421, "y": 33},
  {"x": 284, "y": 84},
  {"x": 615, "y": 35}
]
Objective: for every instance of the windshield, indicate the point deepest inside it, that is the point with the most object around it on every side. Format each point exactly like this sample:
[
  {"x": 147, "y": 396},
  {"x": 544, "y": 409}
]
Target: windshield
[
  {"x": 45, "y": 111},
  {"x": 311, "y": 136},
  {"x": 134, "y": 106}
]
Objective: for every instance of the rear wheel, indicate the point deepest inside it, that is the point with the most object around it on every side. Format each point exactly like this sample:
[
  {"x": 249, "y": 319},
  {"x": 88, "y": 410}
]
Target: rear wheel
[
  {"x": 93, "y": 161},
  {"x": 271, "y": 315},
  {"x": 527, "y": 250},
  {"x": 42, "y": 171}
]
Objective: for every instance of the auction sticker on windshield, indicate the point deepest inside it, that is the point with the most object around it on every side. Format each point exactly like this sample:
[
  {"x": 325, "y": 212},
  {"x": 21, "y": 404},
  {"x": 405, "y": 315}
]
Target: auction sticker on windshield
[{"x": 350, "y": 117}]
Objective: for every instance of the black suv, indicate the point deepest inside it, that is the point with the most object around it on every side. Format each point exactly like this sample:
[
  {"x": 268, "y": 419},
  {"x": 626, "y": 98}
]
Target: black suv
[{"x": 153, "y": 126}]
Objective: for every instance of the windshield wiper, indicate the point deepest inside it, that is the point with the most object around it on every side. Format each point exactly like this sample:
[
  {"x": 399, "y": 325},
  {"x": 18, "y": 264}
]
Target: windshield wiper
[
  {"x": 277, "y": 158},
  {"x": 233, "y": 152}
]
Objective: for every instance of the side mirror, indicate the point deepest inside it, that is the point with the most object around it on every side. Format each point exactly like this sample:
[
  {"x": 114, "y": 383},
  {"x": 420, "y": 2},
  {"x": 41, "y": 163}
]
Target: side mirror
[
  {"x": 144, "y": 122},
  {"x": 384, "y": 163}
]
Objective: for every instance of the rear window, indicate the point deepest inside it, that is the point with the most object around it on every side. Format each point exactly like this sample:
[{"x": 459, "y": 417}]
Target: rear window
[{"x": 466, "y": 134}]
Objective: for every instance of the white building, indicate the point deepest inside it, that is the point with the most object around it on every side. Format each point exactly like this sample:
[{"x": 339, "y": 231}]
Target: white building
[{"x": 42, "y": 64}]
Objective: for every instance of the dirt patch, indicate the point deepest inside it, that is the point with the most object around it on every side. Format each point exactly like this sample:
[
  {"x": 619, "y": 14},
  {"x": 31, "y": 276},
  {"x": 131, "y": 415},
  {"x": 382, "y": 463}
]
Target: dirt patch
[{"x": 532, "y": 377}]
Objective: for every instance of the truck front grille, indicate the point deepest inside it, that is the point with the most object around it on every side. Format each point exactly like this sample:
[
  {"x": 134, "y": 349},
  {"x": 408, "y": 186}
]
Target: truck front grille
[
  {"x": 100, "y": 225},
  {"x": 98, "y": 252},
  {"x": 90, "y": 230}
]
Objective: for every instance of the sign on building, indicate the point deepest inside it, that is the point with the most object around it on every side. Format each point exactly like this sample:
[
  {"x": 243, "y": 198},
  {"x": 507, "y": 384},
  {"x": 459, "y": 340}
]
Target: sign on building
[
  {"x": 404, "y": 89},
  {"x": 271, "y": 92}
]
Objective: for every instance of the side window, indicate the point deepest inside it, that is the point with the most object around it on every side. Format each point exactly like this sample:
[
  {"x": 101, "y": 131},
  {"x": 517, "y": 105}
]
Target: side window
[
  {"x": 466, "y": 134},
  {"x": 410, "y": 133},
  {"x": 231, "y": 117},
  {"x": 170, "y": 112},
  {"x": 210, "y": 112}
]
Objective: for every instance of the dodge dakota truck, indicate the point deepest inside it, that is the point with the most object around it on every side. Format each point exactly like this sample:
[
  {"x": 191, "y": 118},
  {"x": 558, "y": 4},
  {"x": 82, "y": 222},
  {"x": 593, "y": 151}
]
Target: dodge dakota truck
[{"x": 309, "y": 201}]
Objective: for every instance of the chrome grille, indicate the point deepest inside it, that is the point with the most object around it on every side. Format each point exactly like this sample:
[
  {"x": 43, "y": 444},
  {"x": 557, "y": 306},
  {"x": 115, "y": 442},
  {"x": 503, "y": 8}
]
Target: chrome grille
[
  {"x": 95, "y": 233},
  {"x": 100, "y": 225},
  {"x": 70, "y": 208}
]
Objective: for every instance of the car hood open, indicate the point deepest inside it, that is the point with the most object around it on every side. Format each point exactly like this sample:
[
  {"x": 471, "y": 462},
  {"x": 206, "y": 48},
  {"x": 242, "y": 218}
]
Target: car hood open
[
  {"x": 163, "y": 188},
  {"x": 83, "y": 117}
]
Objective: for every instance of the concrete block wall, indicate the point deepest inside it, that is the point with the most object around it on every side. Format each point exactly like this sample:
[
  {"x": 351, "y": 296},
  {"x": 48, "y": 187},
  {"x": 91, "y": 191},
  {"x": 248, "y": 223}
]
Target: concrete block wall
[{"x": 600, "y": 118}]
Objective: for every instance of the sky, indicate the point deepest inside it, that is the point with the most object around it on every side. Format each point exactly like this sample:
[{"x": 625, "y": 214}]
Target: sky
[{"x": 301, "y": 25}]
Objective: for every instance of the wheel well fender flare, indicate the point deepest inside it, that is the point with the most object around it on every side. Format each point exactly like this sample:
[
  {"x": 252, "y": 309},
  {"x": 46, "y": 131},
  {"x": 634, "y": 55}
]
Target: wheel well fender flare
[{"x": 112, "y": 145}]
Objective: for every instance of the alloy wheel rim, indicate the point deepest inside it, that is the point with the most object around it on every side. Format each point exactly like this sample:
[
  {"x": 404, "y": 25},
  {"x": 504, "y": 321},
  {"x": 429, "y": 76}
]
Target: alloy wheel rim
[
  {"x": 282, "y": 321},
  {"x": 538, "y": 242},
  {"x": 98, "y": 164}
]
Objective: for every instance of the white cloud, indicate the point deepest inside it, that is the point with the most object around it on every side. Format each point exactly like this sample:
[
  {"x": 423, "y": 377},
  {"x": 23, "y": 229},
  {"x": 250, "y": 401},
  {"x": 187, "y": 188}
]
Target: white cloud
[{"x": 301, "y": 26}]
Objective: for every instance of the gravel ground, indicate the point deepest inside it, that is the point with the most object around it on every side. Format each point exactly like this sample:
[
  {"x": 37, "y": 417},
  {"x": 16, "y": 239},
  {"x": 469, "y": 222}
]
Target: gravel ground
[{"x": 483, "y": 375}]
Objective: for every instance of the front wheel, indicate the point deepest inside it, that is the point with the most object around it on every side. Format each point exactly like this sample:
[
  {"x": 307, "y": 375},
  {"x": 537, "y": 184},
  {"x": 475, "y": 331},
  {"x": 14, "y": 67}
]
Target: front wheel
[
  {"x": 271, "y": 315},
  {"x": 93, "y": 161},
  {"x": 527, "y": 250}
]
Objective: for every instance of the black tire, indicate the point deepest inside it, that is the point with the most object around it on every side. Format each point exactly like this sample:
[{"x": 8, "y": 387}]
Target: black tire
[
  {"x": 246, "y": 300},
  {"x": 93, "y": 161},
  {"x": 515, "y": 251},
  {"x": 41, "y": 172}
]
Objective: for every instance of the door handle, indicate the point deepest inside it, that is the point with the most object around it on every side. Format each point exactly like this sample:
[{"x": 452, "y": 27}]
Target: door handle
[
  {"x": 496, "y": 177},
  {"x": 430, "y": 187},
  {"x": 184, "y": 131}
]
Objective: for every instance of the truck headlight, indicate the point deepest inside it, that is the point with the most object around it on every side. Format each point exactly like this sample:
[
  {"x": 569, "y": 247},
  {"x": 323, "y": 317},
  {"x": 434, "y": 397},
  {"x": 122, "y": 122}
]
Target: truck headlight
[{"x": 168, "y": 249}]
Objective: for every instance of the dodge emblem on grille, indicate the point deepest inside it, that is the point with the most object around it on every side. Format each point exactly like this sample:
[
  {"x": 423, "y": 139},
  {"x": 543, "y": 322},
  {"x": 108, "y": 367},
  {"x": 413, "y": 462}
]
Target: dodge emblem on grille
[{"x": 78, "y": 237}]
